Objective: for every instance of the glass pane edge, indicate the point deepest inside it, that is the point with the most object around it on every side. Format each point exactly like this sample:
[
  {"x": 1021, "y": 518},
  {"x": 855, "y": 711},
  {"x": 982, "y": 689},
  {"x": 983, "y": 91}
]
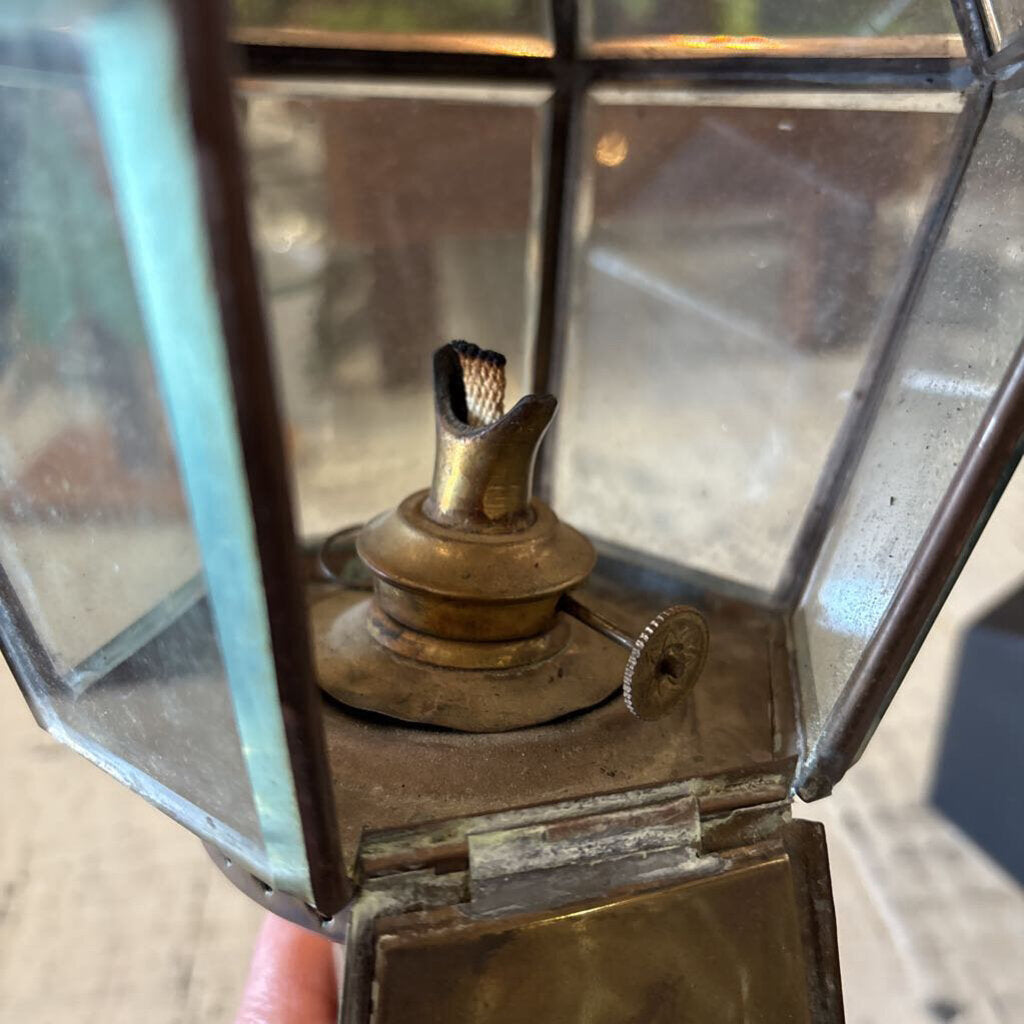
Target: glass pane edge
[{"x": 133, "y": 52}]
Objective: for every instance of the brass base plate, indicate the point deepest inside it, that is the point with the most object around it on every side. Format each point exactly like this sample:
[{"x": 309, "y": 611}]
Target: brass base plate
[{"x": 360, "y": 672}]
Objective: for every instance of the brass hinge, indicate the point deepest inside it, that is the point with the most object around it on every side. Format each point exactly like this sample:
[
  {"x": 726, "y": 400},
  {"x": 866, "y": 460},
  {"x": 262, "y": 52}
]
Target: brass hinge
[{"x": 549, "y": 863}]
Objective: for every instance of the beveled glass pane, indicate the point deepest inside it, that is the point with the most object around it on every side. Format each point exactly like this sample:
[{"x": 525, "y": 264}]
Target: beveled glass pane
[
  {"x": 716, "y": 28},
  {"x": 1005, "y": 19},
  {"x": 735, "y": 253},
  {"x": 519, "y": 27},
  {"x": 390, "y": 218},
  {"x": 963, "y": 331},
  {"x": 96, "y": 542}
]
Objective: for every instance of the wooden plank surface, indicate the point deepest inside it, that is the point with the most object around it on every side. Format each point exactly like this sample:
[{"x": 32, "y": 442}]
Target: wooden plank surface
[{"x": 109, "y": 911}]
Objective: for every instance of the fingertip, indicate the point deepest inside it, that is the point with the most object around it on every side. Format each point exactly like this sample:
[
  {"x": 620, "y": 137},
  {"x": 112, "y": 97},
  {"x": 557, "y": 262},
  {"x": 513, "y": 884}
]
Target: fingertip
[{"x": 291, "y": 977}]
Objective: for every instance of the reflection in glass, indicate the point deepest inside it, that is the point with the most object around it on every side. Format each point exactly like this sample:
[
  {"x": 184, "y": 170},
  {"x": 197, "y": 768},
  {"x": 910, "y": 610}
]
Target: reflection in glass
[
  {"x": 390, "y": 218},
  {"x": 465, "y": 26},
  {"x": 962, "y": 333},
  {"x": 95, "y": 537},
  {"x": 736, "y": 253},
  {"x": 654, "y": 28},
  {"x": 1005, "y": 20}
]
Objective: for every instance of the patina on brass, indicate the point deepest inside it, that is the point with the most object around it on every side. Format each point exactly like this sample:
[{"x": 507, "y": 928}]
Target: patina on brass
[
  {"x": 742, "y": 936},
  {"x": 401, "y": 677},
  {"x": 460, "y": 584},
  {"x": 476, "y": 558},
  {"x": 739, "y": 719},
  {"x": 471, "y": 578}
]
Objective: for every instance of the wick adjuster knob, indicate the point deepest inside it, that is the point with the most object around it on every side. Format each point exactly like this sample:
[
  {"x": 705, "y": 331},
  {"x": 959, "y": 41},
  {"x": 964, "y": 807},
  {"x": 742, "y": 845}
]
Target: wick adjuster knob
[{"x": 665, "y": 660}]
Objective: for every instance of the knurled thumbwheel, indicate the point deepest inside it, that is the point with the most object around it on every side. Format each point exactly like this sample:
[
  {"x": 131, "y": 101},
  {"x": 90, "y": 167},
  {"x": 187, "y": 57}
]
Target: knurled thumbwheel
[{"x": 666, "y": 661}]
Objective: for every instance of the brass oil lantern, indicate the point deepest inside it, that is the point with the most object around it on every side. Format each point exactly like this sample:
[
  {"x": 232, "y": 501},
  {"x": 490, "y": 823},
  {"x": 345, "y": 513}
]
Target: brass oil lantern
[{"x": 523, "y": 735}]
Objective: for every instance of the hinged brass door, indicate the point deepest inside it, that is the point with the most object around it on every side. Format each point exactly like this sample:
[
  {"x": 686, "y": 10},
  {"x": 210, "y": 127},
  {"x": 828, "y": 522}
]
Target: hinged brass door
[{"x": 637, "y": 914}]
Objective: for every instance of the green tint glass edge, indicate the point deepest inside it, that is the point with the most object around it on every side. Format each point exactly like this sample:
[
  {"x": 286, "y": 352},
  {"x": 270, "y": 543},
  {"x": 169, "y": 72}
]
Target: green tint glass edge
[{"x": 132, "y": 52}]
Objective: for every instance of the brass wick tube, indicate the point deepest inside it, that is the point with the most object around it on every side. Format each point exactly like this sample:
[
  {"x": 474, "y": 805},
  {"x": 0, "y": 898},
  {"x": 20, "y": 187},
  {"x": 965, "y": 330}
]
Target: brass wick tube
[{"x": 596, "y": 622}]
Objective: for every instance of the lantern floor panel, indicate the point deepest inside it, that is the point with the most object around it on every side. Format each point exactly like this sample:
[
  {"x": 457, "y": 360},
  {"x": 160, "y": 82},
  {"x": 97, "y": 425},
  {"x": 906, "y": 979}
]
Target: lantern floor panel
[{"x": 739, "y": 719}]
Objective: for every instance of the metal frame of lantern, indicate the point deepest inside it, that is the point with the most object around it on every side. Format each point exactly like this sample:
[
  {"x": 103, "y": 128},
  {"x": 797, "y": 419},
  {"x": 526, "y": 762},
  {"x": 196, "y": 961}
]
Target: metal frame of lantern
[
  {"x": 223, "y": 412},
  {"x": 569, "y": 73}
]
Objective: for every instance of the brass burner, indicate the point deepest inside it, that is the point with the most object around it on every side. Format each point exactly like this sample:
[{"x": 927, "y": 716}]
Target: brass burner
[
  {"x": 363, "y": 673},
  {"x": 470, "y": 625}
]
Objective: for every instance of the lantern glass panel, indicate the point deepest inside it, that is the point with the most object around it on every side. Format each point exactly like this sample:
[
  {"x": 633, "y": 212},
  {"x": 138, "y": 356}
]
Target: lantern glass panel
[
  {"x": 1005, "y": 20},
  {"x": 736, "y": 254},
  {"x": 958, "y": 344},
  {"x": 96, "y": 543},
  {"x": 390, "y": 218},
  {"x": 832, "y": 28},
  {"x": 464, "y": 26}
]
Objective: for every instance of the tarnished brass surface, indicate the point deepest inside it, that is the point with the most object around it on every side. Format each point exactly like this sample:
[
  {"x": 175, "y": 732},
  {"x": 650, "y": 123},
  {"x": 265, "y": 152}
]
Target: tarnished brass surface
[
  {"x": 476, "y": 558},
  {"x": 472, "y": 586},
  {"x": 735, "y": 809},
  {"x": 363, "y": 673},
  {"x": 740, "y": 718},
  {"x": 725, "y": 948},
  {"x": 463, "y": 630},
  {"x": 483, "y": 476},
  {"x": 431, "y": 650},
  {"x": 665, "y": 659}
]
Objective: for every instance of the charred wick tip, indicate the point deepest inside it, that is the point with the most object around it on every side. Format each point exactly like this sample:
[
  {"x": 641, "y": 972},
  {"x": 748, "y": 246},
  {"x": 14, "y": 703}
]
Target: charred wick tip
[{"x": 471, "y": 351}]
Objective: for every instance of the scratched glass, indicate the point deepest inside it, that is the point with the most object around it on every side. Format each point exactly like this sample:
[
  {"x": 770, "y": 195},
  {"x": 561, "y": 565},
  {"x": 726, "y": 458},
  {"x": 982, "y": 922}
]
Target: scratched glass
[
  {"x": 737, "y": 252},
  {"x": 96, "y": 542},
  {"x": 1005, "y": 20},
  {"x": 521, "y": 27},
  {"x": 963, "y": 331},
  {"x": 878, "y": 28},
  {"x": 390, "y": 218}
]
